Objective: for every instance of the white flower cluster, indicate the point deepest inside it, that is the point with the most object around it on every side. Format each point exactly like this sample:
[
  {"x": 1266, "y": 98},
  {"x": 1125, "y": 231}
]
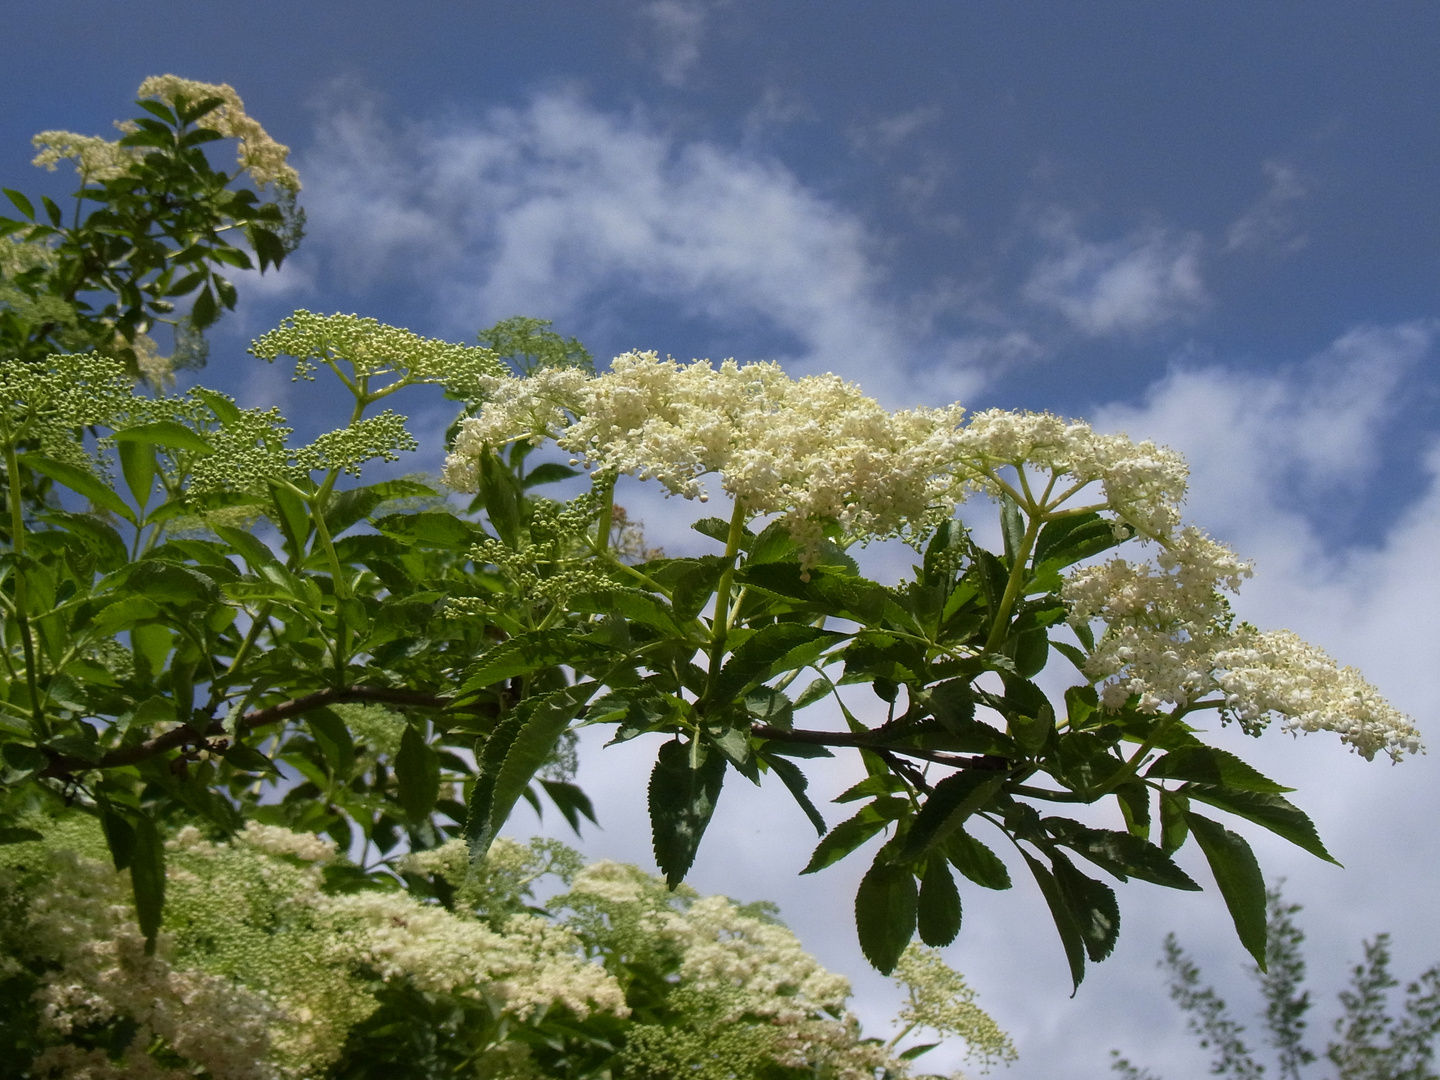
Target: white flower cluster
[
  {"x": 1143, "y": 483},
  {"x": 810, "y": 450},
  {"x": 79, "y": 930},
  {"x": 1161, "y": 618},
  {"x": 1276, "y": 672},
  {"x": 259, "y": 973},
  {"x": 529, "y": 967},
  {"x": 1168, "y": 639},
  {"x": 96, "y": 159},
  {"x": 757, "y": 998},
  {"x": 259, "y": 154}
]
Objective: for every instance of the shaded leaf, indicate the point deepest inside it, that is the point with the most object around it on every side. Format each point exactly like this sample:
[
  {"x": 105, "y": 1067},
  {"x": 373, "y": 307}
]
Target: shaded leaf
[
  {"x": 939, "y": 906},
  {"x": 1274, "y": 812},
  {"x": 885, "y": 912},
  {"x": 1237, "y": 873},
  {"x": 417, "y": 771},
  {"x": 682, "y": 800}
]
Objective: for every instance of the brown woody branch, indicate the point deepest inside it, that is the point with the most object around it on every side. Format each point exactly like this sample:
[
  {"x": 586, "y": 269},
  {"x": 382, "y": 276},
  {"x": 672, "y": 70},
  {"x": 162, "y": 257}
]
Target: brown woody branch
[{"x": 63, "y": 766}]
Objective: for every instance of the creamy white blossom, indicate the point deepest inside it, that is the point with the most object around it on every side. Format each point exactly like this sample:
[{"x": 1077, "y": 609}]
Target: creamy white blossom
[
  {"x": 1168, "y": 638},
  {"x": 1278, "y": 673},
  {"x": 809, "y": 450},
  {"x": 1143, "y": 483},
  {"x": 259, "y": 154}
]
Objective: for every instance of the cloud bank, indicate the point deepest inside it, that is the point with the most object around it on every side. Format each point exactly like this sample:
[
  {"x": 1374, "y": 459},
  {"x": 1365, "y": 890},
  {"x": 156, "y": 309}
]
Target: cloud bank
[{"x": 555, "y": 207}]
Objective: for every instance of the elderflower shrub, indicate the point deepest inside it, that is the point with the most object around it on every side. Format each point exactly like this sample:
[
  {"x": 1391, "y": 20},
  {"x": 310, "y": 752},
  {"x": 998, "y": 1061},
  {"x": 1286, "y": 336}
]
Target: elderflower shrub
[
  {"x": 818, "y": 454},
  {"x": 259, "y": 971},
  {"x": 747, "y": 995}
]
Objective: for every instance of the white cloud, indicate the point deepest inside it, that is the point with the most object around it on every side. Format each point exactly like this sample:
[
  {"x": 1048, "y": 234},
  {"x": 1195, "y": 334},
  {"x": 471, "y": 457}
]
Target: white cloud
[
  {"x": 675, "y": 29},
  {"x": 1270, "y": 223},
  {"x": 550, "y": 208},
  {"x": 885, "y": 133},
  {"x": 1120, "y": 286}
]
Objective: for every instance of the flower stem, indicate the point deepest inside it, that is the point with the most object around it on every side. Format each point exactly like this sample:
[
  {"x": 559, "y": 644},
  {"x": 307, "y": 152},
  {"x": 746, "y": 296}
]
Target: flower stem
[
  {"x": 1012, "y": 586},
  {"x": 22, "y": 619},
  {"x": 720, "y": 626}
]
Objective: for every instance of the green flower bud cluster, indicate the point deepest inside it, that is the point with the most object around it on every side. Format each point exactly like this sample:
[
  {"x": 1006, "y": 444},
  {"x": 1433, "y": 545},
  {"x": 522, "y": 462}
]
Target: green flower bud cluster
[
  {"x": 371, "y": 349},
  {"x": 251, "y": 451},
  {"x": 50, "y": 402}
]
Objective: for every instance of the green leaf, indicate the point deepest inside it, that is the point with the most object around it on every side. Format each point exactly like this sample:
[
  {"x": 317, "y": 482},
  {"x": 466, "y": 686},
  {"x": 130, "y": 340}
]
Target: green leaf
[
  {"x": 23, "y": 758},
  {"x": 939, "y": 908},
  {"x": 1092, "y": 905},
  {"x": 771, "y": 650},
  {"x": 333, "y": 737},
  {"x": 248, "y": 759},
  {"x": 1174, "y": 829},
  {"x": 1012, "y": 525},
  {"x": 794, "y": 779},
  {"x": 1066, "y": 541},
  {"x": 167, "y": 583},
  {"x": 550, "y": 472},
  {"x": 976, "y": 861},
  {"x": 80, "y": 481},
  {"x": 545, "y": 719},
  {"x": 147, "y": 878},
  {"x": 850, "y": 834},
  {"x": 205, "y": 310},
  {"x": 1121, "y": 853},
  {"x": 250, "y": 546},
  {"x": 952, "y": 801},
  {"x": 1209, "y": 765},
  {"x": 417, "y": 771},
  {"x": 1273, "y": 812},
  {"x": 501, "y": 494},
  {"x": 225, "y": 410},
  {"x": 570, "y": 801},
  {"x": 345, "y": 508},
  {"x": 24, "y": 205},
  {"x": 432, "y": 528},
  {"x": 523, "y": 655},
  {"x": 695, "y": 585},
  {"x": 490, "y": 755},
  {"x": 816, "y": 691},
  {"x": 137, "y": 463},
  {"x": 1064, "y": 920},
  {"x": 682, "y": 800},
  {"x": 1238, "y": 875},
  {"x": 885, "y": 912},
  {"x": 96, "y": 534},
  {"x": 122, "y": 615},
  {"x": 774, "y": 544},
  {"x": 166, "y": 433},
  {"x": 1081, "y": 703},
  {"x": 1134, "y": 800},
  {"x": 292, "y": 517}
]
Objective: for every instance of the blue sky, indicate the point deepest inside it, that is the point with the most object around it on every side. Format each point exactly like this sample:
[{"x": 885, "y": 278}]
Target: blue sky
[{"x": 1211, "y": 224}]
